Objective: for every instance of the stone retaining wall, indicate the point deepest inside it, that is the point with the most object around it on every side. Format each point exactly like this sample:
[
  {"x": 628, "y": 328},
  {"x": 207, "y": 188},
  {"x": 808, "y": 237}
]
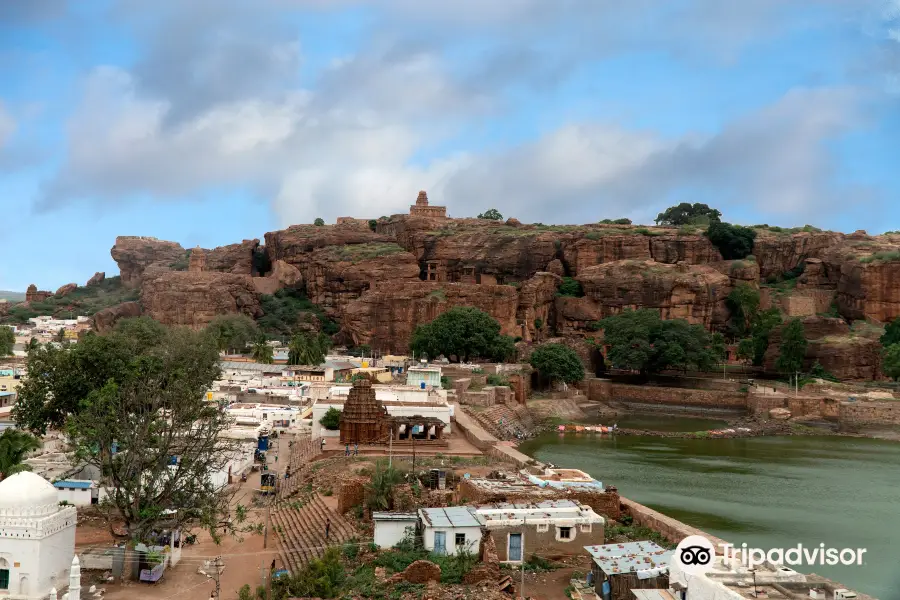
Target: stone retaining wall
[
  {"x": 869, "y": 413},
  {"x": 828, "y": 408},
  {"x": 672, "y": 396},
  {"x": 672, "y": 529}
]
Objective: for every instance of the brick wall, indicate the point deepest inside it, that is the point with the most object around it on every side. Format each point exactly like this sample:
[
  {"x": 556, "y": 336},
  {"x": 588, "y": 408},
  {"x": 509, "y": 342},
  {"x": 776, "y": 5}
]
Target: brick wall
[
  {"x": 761, "y": 404},
  {"x": 869, "y": 413},
  {"x": 677, "y": 396}
]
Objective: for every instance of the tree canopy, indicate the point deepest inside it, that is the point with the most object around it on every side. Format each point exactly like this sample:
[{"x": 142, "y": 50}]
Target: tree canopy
[
  {"x": 688, "y": 214},
  {"x": 7, "y": 340},
  {"x": 232, "y": 333},
  {"x": 641, "y": 341},
  {"x": 319, "y": 222},
  {"x": 792, "y": 350},
  {"x": 891, "y": 361},
  {"x": 558, "y": 362},
  {"x": 744, "y": 304},
  {"x": 463, "y": 333},
  {"x": 569, "y": 286},
  {"x": 133, "y": 407},
  {"x": 309, "y": 349},
  {"x": 732, "y": 241},
  {"x": 262, "y": 352},
  {"x": 761, "y": 330},
  {"x": 14, "y": 448},
  {"x": 891, "y": 334},
  {"x": 331, "y": 419},
  {"x": 491, "y": 214}
]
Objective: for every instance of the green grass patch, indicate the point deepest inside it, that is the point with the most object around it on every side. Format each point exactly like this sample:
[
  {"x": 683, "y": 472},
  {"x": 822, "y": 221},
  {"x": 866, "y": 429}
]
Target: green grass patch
[
  {"x": 359, "y": 252},
  {"x": 881, "y": 257},
  {"x": 283, "y": 310}
]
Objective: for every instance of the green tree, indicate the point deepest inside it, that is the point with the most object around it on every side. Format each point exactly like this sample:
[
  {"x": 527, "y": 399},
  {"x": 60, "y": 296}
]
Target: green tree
[
  {"x": 733, "y": 241},
  {"x": 569, "y": 286},
  {"x": 319, "y": 222},
  {"x": 761, "y": 330},
  {"x": 331, "y": 420},
  {"x": 891, "y": 361},
  {"x": 460, "y": 334},
  {"x": 616, "y": 222},
  {"x": 891, "y": 334},
  {"x": 129, "y": 409},
  {"x": 491, "y": 214},
  {"x": 32, "y": 344},
  {"x": 373, "y": 224},
  {"x": 7, "y": 340},
  {"x": 14, "y": 447},
  {"x": 688, "y": 214},
  {"x": 792, "y": 350},
  {"x": 558, "y": 363},
  {"x": 60, "y": 335},
  {"x": 232, "y": 333},
  {"x": 262, "y": 352},
  {"x": 744, "y": 303},
  {"x": 308, "y": 349},
  {"x": 144, "y": 331},
  {"x": 639, "y": 340},
  {"x": 379, "y": 490}
]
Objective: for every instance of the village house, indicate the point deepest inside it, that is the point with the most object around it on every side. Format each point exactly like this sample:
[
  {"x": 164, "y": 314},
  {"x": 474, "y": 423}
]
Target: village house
[
  {"x": 618, "y": 569},
  {"x": 391, "y": 528},
  {"x": 79, "y": 492},
  {"x": 548, "y": 527},
  {"x": 423, "y": 377},
  {"x": 453, "y": 530}
]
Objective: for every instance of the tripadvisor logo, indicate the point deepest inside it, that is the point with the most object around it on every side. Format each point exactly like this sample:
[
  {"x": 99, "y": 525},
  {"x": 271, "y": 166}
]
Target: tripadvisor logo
[{"x": 694, "y": 555}]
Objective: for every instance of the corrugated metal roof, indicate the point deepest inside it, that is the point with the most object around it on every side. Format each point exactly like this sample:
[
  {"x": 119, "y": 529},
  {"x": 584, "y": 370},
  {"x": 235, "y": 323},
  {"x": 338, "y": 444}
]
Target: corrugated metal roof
[
  {"x": 251, "y": 366},
  {"x": 630, "y": 557},
  {"x": 393, "y": 516},
  {"x": 78, "y": 485},
  {"x": 453, "y": 516},
  {"x": 653, "y": 595}
]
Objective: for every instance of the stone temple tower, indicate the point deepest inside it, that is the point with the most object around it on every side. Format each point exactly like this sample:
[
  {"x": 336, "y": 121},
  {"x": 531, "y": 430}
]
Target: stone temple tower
[{"x": 422, "y": 209}]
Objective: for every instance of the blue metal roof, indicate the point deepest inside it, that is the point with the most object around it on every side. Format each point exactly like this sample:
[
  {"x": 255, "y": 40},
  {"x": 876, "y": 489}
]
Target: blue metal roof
[
  {"x": 630, "y": 557},
  {"x": 453, "y": 516},
  {"x": 78, "y": 485}
]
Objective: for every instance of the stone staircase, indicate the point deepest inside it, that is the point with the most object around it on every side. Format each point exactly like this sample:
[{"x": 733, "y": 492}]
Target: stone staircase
[
  {"x": 503, "y": 422},
  {"x": 300, "y": 527}
]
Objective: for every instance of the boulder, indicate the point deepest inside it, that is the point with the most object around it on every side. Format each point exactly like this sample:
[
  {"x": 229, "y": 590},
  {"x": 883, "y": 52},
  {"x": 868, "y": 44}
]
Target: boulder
[
  {"x": 420, "y": 571},
  {"x": 782, "y": 414},
  {"x": 66, "y": 290},
  {"x": 98, "y": 278},
  {"x": 134, "y": 254},
  {"x": 32, "y": 294},
  {"x": 282, "y": 275},
  {"x": 105, "y": 320}
]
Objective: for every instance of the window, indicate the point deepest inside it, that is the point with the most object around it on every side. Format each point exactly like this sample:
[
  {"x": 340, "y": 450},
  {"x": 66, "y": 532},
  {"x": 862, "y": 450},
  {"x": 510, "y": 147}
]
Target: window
[
  {"x": 586, "y": 528},
  {"x": 543, "y": 528},
  {"x": 460, "y": 539},
  {"x": 565, "y": 533}
]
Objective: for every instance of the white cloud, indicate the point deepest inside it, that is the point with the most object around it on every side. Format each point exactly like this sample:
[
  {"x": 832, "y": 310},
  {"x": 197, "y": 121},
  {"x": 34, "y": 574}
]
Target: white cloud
[{"x": 7, "y": 125}]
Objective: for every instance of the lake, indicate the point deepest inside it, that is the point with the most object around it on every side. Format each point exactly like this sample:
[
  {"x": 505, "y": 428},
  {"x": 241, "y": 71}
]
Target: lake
[{"x": 769, "y": 492}]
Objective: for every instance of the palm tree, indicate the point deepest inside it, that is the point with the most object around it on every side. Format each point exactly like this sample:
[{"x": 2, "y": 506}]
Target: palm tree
[
  {"x": 262, "y": 351},
  {"x": 379, "y": 491},
  {"x": 305, "y": 349},
  {"x": 14, "y": 446}
]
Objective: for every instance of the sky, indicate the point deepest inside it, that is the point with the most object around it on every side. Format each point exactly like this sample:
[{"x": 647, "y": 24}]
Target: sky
[{"x": 211, "y": 121}]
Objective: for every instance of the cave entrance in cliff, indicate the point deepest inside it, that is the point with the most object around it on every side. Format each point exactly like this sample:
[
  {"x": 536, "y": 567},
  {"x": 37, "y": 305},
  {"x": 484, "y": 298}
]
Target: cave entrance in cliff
[{"x": 598, "y": 362}]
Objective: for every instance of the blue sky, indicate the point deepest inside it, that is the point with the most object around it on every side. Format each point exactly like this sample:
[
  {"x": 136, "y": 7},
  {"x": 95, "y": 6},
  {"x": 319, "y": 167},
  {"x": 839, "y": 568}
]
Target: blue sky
[{"x": 212, "y": 121}]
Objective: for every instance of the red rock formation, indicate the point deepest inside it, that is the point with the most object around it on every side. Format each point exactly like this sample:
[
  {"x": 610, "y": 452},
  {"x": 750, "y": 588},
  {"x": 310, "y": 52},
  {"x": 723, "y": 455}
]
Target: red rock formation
[
  {"x": 385, "y": 316},
  {"x": 106, "y": 319},
  {"x": 692, "y": 249},
  {"x": 844, "y": 353},
  {"x": 197, "y": 261},
  {"x": 281, "y": 276},
  {"x": 693, "y": 292},
  {"x": 536, "y": 304},
  {"x": 575, "y": 316},
  {"x": 135, "y": 254},
  {"x": 581, "y": 254},
  {"x": 777, "y": 253},
  {"x": 66, "y": 290},
  {"x": 738, "y": 271},
  {"x": 194, "y": 299},
  {"x": 97, "y": 279},
  {"x": 869, "y": 290},
  {"x": 234, "y": 258}
]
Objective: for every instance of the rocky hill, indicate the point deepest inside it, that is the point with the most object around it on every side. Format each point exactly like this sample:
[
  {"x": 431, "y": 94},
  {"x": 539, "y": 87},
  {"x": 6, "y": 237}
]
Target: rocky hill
[{"x": 377, "y": 280}]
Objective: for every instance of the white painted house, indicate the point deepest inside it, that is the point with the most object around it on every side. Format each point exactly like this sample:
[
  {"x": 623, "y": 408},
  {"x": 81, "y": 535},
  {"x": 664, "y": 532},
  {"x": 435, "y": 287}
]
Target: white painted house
[
  {"x": 453, "y": 530},
  {"x": 79, "y": 492},
  {"x": 391, "y": 528},
  {"x": 37, "y": 538}
]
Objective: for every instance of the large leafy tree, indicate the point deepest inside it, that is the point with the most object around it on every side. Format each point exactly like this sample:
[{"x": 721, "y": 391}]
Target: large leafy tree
[
  {"x": 558, "y": 363},
  {"x": 891, "y": 361},
  {"x": 641, "y": 341},
  {"x": 688, "y": 214},
  {"x": 761, "y": 329},
  {"x": 308, "y": 349},
  {"x": 733, "y": 241},
  {"x": 744, "y": 303},
  {"x": 133, "y": 407},
  {"x": 891, "y": 333},
  {"x": 792, "y": 350},
  {"x": 7, "y": 340},
  {"x": 262, "y": 352},
  {"x": 232, "y": 332},
  {"x": 460, "y": 334},
  {"x": 14, "y": 447}
]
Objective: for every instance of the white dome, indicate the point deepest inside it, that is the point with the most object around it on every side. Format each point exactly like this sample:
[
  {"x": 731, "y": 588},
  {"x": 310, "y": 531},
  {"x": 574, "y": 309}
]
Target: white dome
[{"x": 28, "y": 493}]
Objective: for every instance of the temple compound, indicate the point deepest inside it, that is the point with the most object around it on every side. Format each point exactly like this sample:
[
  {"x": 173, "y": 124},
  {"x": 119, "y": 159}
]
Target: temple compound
[
  {"x": 421, "y": 208},
  {"x": 365, "y": 420},
  {"x": 37, "y": 538}
]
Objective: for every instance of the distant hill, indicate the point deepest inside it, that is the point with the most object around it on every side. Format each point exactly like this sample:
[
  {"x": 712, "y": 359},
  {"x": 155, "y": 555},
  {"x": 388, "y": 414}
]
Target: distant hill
[{"x": 12, "y": 296}]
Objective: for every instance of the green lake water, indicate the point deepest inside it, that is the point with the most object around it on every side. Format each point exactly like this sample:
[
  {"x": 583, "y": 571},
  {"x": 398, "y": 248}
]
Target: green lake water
[{"x": 770, "y": 492}]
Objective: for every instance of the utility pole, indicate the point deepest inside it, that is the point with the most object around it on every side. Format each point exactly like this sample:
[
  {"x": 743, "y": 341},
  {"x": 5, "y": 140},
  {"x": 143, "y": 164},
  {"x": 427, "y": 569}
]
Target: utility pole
[
  {"x": 391, "y": 449},
  {"x": 216, "y": 566},
  {"x": 268, "y": 519}
]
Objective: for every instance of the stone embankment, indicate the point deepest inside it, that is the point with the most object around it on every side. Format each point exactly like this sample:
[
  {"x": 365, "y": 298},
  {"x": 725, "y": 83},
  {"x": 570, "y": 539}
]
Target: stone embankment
[{"x": 300, "y": 526}]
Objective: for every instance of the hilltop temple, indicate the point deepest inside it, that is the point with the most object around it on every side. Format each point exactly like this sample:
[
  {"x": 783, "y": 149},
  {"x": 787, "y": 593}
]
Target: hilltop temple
[
  {"x": 422, "y": 209},
  {"x": 37, "y": 538}
]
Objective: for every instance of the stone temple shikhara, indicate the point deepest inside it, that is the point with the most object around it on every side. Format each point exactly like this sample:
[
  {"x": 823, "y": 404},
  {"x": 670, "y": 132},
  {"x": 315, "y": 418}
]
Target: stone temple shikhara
[{"x": 37, "y": 538}]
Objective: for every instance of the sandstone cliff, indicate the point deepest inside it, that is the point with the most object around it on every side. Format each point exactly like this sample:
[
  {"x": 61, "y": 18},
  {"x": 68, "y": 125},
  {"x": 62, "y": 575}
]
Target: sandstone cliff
[
  {"x": 194, "y": 299},
  {"x": 134, "y": 254}
]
